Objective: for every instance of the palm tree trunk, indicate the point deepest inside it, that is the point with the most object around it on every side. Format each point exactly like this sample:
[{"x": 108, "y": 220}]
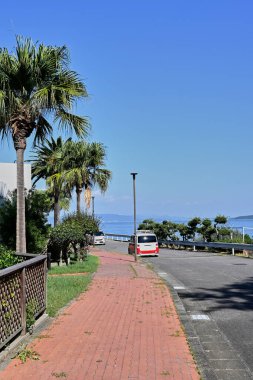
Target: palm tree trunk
[
  {"x": 78, "y": 199},
  {"x": 20, "y": 222},
  {"x": 87, "y": 196},
  {"x": 56, "y": 210}
]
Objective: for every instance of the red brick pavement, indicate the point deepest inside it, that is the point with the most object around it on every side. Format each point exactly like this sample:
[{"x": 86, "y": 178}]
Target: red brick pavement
[{"x": 125, "y": 327}]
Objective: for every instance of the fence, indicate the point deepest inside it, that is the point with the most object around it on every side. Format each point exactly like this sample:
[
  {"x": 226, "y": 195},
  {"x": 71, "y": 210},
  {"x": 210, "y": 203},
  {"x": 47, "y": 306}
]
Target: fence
[
  {"x": 202, "y": 244},
  {"x": 193, "y": 244},
  {"x": 118, "y": 237},
  {"x": 22, "y": 288}
]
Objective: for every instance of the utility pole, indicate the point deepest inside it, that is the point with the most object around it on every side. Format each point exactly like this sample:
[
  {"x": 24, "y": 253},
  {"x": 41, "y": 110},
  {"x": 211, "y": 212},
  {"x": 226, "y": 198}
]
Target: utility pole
[{"x": 135, "y": 242}]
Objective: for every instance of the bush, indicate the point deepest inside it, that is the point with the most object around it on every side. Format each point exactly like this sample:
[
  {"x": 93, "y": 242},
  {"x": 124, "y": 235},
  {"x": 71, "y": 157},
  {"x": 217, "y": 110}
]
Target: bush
[
  {"x": 248, "y": 239},
  {"x": 7, "y": 257},
  {"x": 70, "y": 234}
]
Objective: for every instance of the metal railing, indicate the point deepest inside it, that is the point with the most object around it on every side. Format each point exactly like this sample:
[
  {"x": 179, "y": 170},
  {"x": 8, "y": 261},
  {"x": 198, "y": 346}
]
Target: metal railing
[
  {"x": 22, "y": 287},
  {"x": 117, "y": 237},
  {"x": 202, "y": 244},
  {"x": 193, "y": 244}
]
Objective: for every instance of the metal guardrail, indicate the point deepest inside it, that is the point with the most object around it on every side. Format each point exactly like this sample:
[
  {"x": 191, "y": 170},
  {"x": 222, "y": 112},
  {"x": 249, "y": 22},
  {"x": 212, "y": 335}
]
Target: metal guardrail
[
  {"x": 117, "y": 237},
  {"x": 22, "y": 286},
  {"x": 194, "y": 244}
]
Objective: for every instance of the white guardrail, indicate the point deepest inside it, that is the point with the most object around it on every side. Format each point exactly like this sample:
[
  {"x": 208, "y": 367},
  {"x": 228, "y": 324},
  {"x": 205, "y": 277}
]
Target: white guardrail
[
  {"x": 194, "y": 244},
  {"x": 117, "y": 237}
]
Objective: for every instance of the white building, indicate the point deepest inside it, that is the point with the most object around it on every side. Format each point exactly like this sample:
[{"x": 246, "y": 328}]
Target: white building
[{"x": 8, "y": 177}]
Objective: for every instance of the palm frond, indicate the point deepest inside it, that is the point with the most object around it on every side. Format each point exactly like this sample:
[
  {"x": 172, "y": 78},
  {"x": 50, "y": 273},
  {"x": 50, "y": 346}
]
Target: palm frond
[
  {"x": 36, "y": 80},
  {"x": 68, "y": 122},
  {"x": 44, "y": 128}
]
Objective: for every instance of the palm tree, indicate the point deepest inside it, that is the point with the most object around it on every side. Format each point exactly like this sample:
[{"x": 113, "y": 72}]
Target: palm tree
[
  {"x": 37, "y": 89},
  {"x": 84, "y": 168},
  {"x": 74, "y": 167},
  {"x": 47, "y": 164},
  {"x": 98, "y": 175}
]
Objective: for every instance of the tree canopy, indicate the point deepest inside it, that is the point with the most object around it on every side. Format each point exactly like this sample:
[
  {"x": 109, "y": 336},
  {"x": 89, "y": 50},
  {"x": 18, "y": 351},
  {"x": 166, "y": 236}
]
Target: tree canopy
[{"x": 37, "y": 92}]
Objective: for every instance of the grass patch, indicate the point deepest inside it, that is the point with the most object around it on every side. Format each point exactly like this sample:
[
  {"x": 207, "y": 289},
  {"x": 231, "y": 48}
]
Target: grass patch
[
  {"x": 61, "y": 290},
  {"x": 90, "y": 265}
]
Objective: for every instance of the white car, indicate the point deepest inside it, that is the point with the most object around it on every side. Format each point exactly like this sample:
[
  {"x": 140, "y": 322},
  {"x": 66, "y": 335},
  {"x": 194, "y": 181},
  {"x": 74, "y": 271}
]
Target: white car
[
  {"x": 98, "y": 238},
  {"x": 147, "y": 244}
]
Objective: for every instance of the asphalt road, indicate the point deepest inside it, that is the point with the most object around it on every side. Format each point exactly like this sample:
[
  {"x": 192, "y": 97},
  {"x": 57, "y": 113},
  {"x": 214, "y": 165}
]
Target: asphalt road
[{"x": 214, "y": 296}]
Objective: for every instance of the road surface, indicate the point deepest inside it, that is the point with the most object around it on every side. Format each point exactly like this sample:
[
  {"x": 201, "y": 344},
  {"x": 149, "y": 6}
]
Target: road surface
[{"x": 214, "y": 297}]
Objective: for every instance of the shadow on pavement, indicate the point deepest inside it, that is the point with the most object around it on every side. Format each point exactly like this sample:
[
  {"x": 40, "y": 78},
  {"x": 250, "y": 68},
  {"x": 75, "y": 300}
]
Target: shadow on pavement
[{"x": 237, "y": 296}]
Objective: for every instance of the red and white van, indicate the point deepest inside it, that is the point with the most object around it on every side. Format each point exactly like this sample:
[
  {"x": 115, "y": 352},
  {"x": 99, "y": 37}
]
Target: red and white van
[{"x": 147, "y": 244}]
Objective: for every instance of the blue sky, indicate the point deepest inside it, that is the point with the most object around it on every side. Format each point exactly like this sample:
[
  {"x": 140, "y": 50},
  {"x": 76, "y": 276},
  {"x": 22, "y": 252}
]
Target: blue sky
[{"x": 171, "y": 96}]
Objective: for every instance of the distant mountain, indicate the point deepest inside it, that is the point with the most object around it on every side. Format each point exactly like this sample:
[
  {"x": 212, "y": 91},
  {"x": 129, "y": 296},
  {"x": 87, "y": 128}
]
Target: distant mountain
[{"x": 243, "y": 217}]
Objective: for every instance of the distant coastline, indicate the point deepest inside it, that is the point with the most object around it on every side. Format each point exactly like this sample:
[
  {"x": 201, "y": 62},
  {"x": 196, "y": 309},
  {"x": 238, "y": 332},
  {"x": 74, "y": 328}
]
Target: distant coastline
[{"x": 243, "y": 217}]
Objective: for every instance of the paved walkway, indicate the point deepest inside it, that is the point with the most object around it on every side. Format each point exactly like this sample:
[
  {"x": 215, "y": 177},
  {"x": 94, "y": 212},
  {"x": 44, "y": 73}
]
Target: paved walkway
[{"x": 124, "y": 327}]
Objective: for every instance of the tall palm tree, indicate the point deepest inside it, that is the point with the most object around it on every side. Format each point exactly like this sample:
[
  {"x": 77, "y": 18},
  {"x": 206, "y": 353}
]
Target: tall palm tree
[
  {"x": 75, "y": 167},
  {"x": 37, "y": 90},
  {"x": 98, "y": 174},
  {"x": 47, "y": 164},
  {"x": 84, "y": 166}
]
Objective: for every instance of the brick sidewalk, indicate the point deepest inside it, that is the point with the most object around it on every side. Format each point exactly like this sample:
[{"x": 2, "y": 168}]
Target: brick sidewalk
[{"x": 124, "y": 327}]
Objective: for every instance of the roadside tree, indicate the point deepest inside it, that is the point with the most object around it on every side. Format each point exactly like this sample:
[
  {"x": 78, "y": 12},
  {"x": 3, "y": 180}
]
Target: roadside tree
[
  {"x": 219, "y": 222},
  {"x": 84, "y": 168},
  {"x": 193, "y": 226},
  {"x": 36, "y": 87},
  {"x": 164, "y": 231},
  {"x": 167, "y": 230},
  {"x": 47, "y": 164},
  {"x": 206, "y": 229},
  {"x": 184, "y": 231},
  {"x": 147, "y": 224}
]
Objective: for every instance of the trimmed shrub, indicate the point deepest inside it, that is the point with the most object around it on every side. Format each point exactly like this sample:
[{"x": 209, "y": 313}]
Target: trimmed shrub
[{"x": 70, "y": 235}]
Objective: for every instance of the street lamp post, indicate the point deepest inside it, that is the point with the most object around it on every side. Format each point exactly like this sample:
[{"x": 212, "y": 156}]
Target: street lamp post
[{"x": 135, "y": 243}]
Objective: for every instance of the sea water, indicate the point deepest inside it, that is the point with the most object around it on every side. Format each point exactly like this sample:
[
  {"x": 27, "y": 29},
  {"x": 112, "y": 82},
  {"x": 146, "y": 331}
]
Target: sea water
[{"x": 126, "y": 227}]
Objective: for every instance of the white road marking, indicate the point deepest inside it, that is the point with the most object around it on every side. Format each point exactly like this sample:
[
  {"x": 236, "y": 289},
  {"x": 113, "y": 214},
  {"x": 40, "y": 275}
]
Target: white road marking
[{"x": 200, "y": 317}]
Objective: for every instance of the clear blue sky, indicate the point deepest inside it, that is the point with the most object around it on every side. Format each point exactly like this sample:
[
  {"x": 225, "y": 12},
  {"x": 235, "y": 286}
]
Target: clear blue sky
[{"x": 171, "y": 96}]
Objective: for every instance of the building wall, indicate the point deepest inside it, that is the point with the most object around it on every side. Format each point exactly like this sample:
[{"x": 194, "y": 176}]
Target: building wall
[{"x": 8, "y": 177}]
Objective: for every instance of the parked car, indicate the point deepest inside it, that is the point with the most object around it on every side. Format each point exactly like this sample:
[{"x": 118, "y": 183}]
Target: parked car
[
  {"x": 98, "y": 238},
  {"x": 147, "y": 243}
]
